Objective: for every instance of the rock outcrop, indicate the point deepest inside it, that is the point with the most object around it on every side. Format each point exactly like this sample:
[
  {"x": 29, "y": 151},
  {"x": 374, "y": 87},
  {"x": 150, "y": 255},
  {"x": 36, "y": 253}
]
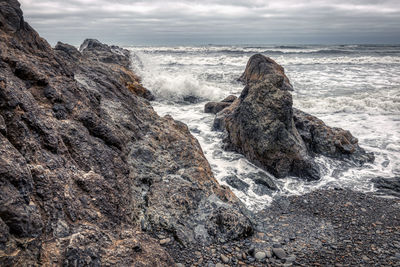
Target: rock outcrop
[
  {"x": 89, "y": 173},
  {"x": 263, "y": 125}
]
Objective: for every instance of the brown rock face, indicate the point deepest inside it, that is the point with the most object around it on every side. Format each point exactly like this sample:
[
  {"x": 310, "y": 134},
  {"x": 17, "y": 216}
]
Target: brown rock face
[
  {"x": 263, "y": 126},
  {"x": 88, "y": 170}
]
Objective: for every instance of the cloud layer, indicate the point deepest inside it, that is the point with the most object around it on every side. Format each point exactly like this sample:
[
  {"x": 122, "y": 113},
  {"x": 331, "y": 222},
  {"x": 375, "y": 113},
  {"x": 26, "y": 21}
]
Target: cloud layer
[{"x": 216, "y": 21}]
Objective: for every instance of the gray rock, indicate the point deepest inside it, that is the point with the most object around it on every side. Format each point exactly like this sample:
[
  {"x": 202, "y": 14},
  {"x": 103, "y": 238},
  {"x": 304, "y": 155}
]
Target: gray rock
[
  {"x": 219, "y": 265},
  {"x": 279, "y": 253},
  {"x": 260, "y": 255},
  {"x": 290, "y": 259},
  {"x": 180, "y": 265},
  {"x": 237, "y": 183}
]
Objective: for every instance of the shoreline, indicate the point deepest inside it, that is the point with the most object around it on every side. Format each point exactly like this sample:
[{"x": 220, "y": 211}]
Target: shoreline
[{"x": 323, "y": 228}]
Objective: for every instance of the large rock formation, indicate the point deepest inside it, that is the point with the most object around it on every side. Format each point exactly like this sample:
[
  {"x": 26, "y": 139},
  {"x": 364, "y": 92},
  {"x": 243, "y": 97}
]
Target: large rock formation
[
  {"x": 263, "y": 125},
  {"x": 88, "y": 171}
]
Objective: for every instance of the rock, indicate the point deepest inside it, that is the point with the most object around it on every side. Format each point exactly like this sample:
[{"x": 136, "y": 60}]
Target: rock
[
  {"x": 259, "y": 67},
  {"x": 179, "y": 265},
  {"x": 237, "y": 183},
  {"x": 3, "y": 127},
  {"x": 329, "y": 141},
  {"x": 290, "y": 259},
  {"x": 224, "y": 258},
  {"x": 262, "y": 178},
  {"x": 229, "y": 99},
  {"x": 165, "y": 241},
  {"x": 215, "y": 107},
  {"x": 388, "y": 185},
  {"x": 263, "y": 126},
  {"x": 219, "y": 265},
  {"x": 268, "y": 254},
  {"x": 260, "y": 255},
  {"x": 279, "y": 253},
  {"x": 86, "y": 162}
]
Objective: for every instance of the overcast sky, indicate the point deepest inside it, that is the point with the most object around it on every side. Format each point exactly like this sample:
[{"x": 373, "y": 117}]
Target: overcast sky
[{"x": 216, "y": 21}]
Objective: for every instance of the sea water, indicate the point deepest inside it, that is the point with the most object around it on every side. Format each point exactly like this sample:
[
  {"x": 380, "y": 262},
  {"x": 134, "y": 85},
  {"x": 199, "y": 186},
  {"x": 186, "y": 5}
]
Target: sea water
[{"x": 355, "y": 87}]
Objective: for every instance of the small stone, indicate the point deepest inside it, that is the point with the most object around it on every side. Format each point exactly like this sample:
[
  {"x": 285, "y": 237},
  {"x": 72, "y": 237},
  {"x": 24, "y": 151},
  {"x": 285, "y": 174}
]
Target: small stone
[
  {"x": 268, "y": 254},
  {"x": 279, "y": 253},
  {"x": 260, "y": 255},
  {"x": 365, "y": 258},
  {"x": 165, "y": 241},
  {"x": 179, "y": 265},
  {"x": 219, "y": 265},
  {"x": 224, "y": 258},
  {"x": 244, "y": 256},
  {"x": 290, "y": 259}
]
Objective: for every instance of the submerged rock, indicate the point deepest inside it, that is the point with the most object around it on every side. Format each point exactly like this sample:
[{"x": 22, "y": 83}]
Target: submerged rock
[
  {"x": 87, "y": 165},
  {"x": 263, "y": 126}
]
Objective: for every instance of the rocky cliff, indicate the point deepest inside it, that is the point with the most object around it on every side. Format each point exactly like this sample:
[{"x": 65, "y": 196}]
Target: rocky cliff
[
  {"x": 263, "y": 125},
  {"x": 89, "y": 173}
]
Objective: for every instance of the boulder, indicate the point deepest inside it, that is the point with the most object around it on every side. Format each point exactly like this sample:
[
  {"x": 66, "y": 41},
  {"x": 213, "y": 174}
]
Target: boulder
[{"x": 215, "y": 107}]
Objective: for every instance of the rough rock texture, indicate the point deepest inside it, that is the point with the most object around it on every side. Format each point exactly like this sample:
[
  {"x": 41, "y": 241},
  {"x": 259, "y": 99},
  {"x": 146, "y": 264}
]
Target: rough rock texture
[
  {"x": 262, "y": 128},
  {"x": 263, "y": 125},
  {"x": 89, "y": 173},
  {"x": 259, "y": 67},
  {"x": 388, "y": 185},
  {"x": 329, "y": 141},
  {"x": 215, "y": 107}
]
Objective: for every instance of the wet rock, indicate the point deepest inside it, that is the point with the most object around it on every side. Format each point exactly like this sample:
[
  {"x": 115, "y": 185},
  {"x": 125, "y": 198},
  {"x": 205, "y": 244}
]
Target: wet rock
[
  {"x": 388, "y": 185},
  {"x": 237, "y": 183},
  {"x": 215, "y": 107},
  {"x": 262, "y": 178},
  {"x": 329, "y": 141},
  {"x": 259, "y": 67}
]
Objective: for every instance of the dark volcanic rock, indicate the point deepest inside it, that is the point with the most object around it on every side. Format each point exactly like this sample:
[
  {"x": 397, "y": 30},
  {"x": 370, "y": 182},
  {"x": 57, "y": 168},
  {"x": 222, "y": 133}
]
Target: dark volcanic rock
[
  {"x": 259, "y": 67},
  {"x": 86, "y": 164},
  {"x": 329, "y": 141},
  {"x": 263, "y": 125},
  {"x": 389, "y": 185},
  {"x": 215, "y": 107}
]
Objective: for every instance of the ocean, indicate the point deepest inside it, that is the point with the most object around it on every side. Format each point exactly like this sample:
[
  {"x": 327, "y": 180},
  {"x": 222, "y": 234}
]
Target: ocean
[{"x": 355, "y": 87}]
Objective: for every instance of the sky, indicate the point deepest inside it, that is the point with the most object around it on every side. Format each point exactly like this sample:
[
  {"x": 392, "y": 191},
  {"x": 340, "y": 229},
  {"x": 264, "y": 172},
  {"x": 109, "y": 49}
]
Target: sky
[{"x": 183, "y": 22}]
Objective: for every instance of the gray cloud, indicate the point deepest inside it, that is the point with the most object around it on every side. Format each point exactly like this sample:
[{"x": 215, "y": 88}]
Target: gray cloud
[{"x": 216, "y": 21}]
